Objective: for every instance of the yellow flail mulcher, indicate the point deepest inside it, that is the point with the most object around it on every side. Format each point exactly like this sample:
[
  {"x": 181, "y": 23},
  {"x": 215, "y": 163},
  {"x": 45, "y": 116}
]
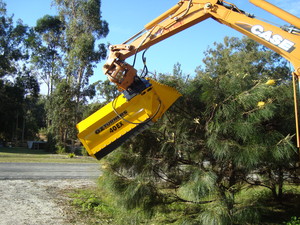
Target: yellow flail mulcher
[{"x": 124, "y": 117}]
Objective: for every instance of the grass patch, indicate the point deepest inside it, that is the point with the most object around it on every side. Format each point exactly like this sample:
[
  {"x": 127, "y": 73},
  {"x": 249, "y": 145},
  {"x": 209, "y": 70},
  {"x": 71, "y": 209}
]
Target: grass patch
[
  {"x": 279, "y": 213},
  {"x": 39, "y": 156},
  {"x": 95, "y": 206},
  {"x": 90, "y": 208},
  {"x": 271, "y": 211}
]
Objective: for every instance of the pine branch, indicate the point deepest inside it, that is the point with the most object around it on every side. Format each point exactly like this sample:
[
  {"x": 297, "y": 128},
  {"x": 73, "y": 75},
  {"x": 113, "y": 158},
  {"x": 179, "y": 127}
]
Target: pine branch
[
  {"x": 250, "y": 111},
  {"x": 181, "y": 110},
  {"x": 119, "y": 174},
  {"x": 247, "y": 91},
  {"x": 257, "y": 184},
  {"x": 211, "y": 116},
  {"x": 165, "y": 179},
  {"x": 179, "y": 199}
]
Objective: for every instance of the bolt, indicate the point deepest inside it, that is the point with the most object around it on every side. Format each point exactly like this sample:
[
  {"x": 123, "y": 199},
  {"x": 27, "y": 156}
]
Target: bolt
[{"x": 208, "y": 5}]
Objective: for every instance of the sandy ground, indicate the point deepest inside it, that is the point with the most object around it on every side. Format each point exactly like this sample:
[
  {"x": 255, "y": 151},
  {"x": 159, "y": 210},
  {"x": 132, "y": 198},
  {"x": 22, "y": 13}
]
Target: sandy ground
[{"x": 37, "y": 202}]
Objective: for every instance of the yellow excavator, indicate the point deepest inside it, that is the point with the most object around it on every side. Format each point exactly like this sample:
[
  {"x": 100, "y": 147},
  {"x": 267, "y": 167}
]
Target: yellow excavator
[{"x": 143, "y": 101}]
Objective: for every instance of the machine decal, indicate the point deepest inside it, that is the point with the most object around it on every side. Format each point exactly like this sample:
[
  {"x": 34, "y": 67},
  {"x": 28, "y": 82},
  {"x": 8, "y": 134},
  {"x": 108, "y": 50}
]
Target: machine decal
[
  {"x": 268, "y": 35},
  {"x": 114, "y": 128}
]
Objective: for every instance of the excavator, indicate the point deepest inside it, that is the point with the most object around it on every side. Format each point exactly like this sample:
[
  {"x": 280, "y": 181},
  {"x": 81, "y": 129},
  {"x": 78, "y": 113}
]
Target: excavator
[{"x": 142, "y": 101}]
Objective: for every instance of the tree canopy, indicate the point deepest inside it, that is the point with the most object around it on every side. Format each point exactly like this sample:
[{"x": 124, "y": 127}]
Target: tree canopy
[
  {"x": 204, "y": 151},
  {"x": 60, "y": 52}
]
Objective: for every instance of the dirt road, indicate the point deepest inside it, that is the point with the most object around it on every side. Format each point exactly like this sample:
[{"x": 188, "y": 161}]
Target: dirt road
[{"x": 37, "y": 201}]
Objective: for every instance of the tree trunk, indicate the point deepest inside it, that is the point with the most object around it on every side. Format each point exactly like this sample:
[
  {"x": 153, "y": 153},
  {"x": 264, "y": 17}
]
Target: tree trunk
[
  {"x": 23, "y": 129},
  {"x": 280, "y": 184},
  {"x": 16, "y": 133}
]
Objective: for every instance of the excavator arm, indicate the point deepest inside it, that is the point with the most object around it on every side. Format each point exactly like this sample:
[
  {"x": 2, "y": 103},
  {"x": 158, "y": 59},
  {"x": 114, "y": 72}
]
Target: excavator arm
[
  {"x": 190, "y": 12},
  {"x": 142, "y": 101}
]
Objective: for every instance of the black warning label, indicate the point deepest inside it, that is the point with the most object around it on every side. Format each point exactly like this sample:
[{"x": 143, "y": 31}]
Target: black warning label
[{"x": 112, "y": 121}]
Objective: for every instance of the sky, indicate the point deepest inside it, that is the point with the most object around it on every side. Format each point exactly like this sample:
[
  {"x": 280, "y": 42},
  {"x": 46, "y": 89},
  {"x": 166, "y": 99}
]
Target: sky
[{"x": 126, "y": 18}]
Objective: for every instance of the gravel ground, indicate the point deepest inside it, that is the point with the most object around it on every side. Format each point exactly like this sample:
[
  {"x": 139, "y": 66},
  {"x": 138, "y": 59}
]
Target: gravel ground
[{"x": 37, "y": 202}]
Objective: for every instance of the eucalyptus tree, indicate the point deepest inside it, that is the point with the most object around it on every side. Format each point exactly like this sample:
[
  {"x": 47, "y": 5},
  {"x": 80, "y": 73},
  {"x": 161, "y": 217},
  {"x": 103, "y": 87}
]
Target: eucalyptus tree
[
  {"x": 18, "y": 86},
  {"x": 77, "y": 31},
  {"x": 62, "y": 115},
  {"x": 32, "y": 113},
  {"x": 84, "y": 28},
  {"x": 12, "y": 42},
  {"x": 47, "y": 47}
]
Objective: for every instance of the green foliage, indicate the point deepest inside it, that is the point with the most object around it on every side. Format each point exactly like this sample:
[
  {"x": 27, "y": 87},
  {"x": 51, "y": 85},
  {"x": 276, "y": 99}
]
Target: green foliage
[
  {"x": 211, "y": 143},
  {"x": 61, "y": 150},
  {"x": 21, "y": 114},
  {"x": 47, "y": 45},
  {"x": 87, "y": 203},
  {"x": 294, "y": 221},
  {"x": 12, "y": 44},
  {"x": 65, "y": 52},
  {"x": 61, "y": 113},
  {"x": 201, "y": 185},
  {"x": 107, "y": 91},
  {"x": 83, "y": 151},
  {"x": 49, "y": 24},
  {"x": 83, "y": 27},
  {"x": 2, "y": 7},
  {"x": 91, "y": 207},
  {"x": 71, "y": 155}
]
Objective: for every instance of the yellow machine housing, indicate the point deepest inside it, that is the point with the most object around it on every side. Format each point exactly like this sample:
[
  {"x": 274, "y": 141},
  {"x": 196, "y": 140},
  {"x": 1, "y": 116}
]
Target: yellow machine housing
[{"x": 116, "y": 122}]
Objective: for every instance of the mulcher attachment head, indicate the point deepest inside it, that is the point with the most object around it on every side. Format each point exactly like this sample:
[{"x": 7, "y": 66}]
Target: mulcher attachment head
[{"x": 124, "y": 117}]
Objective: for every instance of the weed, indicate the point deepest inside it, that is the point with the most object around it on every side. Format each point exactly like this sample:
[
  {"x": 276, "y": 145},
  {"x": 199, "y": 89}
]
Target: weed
[
  {"x": 60, "y": 150},
  {"x": 92, "y": 207},
  {"x": 71, "y": 155}
]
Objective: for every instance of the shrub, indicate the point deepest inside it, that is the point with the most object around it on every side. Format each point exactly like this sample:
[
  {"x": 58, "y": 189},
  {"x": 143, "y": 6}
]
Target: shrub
[
  {"x": 60, "y": 150},
  {"x": 71, "y": 155}
]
